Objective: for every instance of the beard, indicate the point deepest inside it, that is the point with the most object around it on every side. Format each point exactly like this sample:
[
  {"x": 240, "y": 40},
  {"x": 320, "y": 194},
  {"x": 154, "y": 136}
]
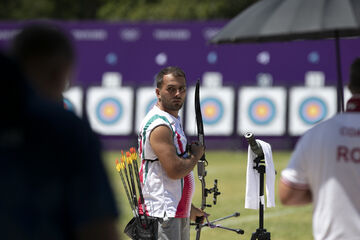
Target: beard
[{"x": 172, "y": 106}]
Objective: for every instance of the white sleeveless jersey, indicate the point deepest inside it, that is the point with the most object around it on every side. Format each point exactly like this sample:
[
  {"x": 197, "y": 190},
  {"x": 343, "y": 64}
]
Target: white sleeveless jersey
[{"x": 163, "y": 196}]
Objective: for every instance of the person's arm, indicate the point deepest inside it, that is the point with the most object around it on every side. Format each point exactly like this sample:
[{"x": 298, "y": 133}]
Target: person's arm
[
  {"x": 293, "y": 196},
  {"x": 161, "y": 141},
  {"x": 294, "y": 187}
]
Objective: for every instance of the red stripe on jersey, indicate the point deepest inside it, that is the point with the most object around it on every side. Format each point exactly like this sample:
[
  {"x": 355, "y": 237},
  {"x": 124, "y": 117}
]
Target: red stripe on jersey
[
  {"x": 141, "y": 212},
  {"x": 141, "y": 171},
  {"x": 140, "y": 147},
  {"x": 182, "y": 210},
  {"x": 178, "y": 137}
]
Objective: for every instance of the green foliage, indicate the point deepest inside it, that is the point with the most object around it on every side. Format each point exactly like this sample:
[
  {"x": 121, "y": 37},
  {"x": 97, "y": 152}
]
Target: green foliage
[
  {"x": 229, "y": 168},
  {"x": 133, "y": 10},
  {"x": 24, "y": 9},
  {"x": 49, "y": 9},
  {"x": 171, "y": 9}
]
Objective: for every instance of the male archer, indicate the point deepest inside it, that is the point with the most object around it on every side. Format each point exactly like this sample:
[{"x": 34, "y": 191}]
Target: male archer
[{"x": 166, "y": 164}]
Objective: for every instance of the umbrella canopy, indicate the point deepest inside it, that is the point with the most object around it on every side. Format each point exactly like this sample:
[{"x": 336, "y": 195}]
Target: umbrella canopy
[{"x": 285, "y": 20}]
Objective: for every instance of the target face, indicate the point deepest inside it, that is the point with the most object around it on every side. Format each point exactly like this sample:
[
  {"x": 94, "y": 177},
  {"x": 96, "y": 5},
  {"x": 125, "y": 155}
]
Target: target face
[
  {"x": 212, "y": 110},
  {"x": 308, "y": 106},
  {"x": 262, "y": 111},
  {"x": 217, "y": 110},
  {"x": 150, "y": 105},
  {"x": 109, "y": 111},
  {"x": 68, "y": 105},
  {"x": 312, "y": 110}
]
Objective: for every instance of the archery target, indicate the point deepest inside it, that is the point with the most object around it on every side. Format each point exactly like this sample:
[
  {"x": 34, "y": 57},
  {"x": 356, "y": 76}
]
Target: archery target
[
  {"x": 309, "y": 106},
  {"x": 261, "y": 110},
  {"x": 216, "y": 109},
  {"x": 73, "y": 99},
  {"x": 312, "y": 110},
  {"x": 212, "y": 110},
  {"x": 145, "y": 101},
  {"x": 150, "y": 105},
  {"x": 110, "y": 110}
]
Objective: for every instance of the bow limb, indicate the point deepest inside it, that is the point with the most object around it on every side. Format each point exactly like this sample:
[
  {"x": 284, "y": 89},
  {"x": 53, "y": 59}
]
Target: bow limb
[
  {"x": 202, "y": 161},
  {"x": 199, "y": 121}
]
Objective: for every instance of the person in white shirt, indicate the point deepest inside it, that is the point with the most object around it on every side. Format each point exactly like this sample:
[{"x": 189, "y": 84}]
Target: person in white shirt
[
  {"x": 325, "y": 170},
  {"x": 166, "y": 163}
]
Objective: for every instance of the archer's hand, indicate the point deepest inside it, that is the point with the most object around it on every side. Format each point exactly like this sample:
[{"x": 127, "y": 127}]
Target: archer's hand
[
  {"x": 197, "y": 150},
  {"x": 196, "y": 212}
]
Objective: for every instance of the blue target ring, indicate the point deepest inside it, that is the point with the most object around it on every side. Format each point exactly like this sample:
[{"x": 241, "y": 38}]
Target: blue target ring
[
  {"x": 109, "y": 110},
  {"x": 68, "y": 105},
  {"x": 262, "y": 111},
  {"x": 212, "y": 110},
  {"x": 150, "y": 105},
  {"x": 312, "y": 110}
]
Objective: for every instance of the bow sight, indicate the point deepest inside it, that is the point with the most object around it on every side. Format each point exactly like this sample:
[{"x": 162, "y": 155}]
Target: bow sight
[
  {"x": 202, "y": 163},
  {"x": 206, "y": 191}
]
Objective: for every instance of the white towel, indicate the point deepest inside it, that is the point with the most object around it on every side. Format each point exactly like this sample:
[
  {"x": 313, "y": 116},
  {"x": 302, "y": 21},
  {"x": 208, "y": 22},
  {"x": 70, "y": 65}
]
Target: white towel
[{"x": 253, "y": 182}]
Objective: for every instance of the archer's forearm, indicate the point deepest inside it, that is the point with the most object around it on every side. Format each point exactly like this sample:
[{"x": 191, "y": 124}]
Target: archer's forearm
[
  {"x": 291, "y": 196},
  {"x": 181, "y": 167}
]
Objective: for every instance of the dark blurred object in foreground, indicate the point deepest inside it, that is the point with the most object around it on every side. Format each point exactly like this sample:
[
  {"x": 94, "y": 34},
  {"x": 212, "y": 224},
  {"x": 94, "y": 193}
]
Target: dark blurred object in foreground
[
  {"x": 52, "y": 179},
  {"x": 46, "y": 56}
]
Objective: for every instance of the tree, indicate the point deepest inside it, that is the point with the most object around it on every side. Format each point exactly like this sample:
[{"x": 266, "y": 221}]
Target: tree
[
  {"x": 51, "y": 9},
  {"x": 137, "y": 10},
  {"x": 171, "y": 9}
]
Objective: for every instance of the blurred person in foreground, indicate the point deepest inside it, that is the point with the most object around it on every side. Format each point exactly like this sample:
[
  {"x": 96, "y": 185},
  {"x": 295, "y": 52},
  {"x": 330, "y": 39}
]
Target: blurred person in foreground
[
  {"x": 166, "y": 169},
  {"x": 325, "y": 169},
  {"x": 53, "y": 182},
  {"x": 46, "y": 56}
]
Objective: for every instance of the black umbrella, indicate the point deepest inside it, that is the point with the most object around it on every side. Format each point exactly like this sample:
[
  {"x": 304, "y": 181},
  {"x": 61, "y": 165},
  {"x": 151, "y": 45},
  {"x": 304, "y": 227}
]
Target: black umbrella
[{"x": 286, "y": 20}]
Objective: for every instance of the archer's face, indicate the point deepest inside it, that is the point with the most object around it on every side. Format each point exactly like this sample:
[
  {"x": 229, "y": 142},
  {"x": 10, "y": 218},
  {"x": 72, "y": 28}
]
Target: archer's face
[{"x": 171, "y": 95}]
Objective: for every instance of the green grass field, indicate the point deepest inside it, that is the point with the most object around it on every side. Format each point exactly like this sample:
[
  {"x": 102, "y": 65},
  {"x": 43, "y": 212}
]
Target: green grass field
[{"x": 229, "y": 167}]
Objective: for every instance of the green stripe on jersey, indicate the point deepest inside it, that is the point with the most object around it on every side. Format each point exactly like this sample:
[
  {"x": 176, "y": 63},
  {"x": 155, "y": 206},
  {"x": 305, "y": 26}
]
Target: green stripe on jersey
[
  {"x": 151, "y": 120},
  {"x": 146, "y": 170}
]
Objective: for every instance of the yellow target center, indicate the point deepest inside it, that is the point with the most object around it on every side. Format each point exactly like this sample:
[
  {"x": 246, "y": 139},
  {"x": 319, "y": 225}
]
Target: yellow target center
[
  {"x": 262, "y": 110},
  {"x": 313, "y": 110},
  {"x": 210, "y": 111},
  {"x": 109, "y": 111}
]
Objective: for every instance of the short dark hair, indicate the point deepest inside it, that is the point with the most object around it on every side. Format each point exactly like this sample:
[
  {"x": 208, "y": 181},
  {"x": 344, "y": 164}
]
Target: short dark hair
[
  {"x": 354, "y": 84},
  {"x": 41, "y": 40},
  {"x": 175, "y": 71}
]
